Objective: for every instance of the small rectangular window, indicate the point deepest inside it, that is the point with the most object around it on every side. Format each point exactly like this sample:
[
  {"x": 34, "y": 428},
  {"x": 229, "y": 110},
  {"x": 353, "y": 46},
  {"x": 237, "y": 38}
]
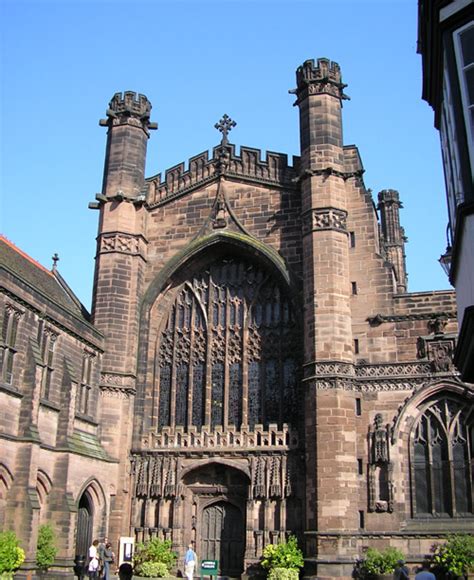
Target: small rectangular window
[
  {"x": 352, "y": 239},
  {"x": 360, "y": 466},
  {"x": 361, "y": 520},
  {"x": 354, "y": 287},
  {"x": 356, "y": 346},
  {"x": 358, "y": 407}
]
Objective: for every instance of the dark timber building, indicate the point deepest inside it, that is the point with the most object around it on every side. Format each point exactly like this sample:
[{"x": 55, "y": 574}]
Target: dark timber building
[{"x": 254, "y": 365}]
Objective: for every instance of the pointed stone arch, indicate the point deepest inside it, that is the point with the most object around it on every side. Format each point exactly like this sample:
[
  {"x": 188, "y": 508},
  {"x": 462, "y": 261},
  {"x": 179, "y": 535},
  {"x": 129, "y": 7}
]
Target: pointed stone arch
[
  {"x": 6, "y": 481},
  {"x": 91, "y": 515},
  {"x": 43, "y": 489},
  {"x": 201, "y": 254}
]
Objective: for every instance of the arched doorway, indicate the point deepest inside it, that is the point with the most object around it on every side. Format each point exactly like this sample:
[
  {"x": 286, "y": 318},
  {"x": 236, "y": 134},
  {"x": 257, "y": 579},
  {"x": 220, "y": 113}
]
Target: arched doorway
[
  {"x": 223, "y": 536},
  {"x": 84, "y": 525}
]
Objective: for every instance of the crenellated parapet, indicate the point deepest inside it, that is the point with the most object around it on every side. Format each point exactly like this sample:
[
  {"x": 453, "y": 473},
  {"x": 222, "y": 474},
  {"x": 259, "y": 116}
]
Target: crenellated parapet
[
  {"x": 129, "y": 108},
  {"x": 248, "y": 166},
  {"x": 324, "y": 77}
]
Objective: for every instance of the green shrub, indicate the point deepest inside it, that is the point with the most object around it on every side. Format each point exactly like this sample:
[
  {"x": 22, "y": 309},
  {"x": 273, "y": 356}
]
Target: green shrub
[
  {"x": 285, "y": 555},
  {"x": 153, "y": 569},
  {"x": 155, "y": 551},
  {"x": 11, "y": 555},
  {"x": 380, "y": 562},
  {"x": 455, "y": 556},
  {"x": 46, "y": 549},
  {"x": 283, "y": 574}
]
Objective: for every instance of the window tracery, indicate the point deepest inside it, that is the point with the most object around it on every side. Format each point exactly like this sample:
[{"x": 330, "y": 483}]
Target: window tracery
[
  {"x": 227, "y": 354},
  {"x": 442, "y": 475}
]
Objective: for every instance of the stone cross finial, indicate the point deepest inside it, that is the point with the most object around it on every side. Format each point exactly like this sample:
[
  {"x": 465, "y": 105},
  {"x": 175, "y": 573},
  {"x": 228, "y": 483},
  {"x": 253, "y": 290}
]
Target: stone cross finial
[
  {"x": 224, "y": 126},
  {"x": 55, "y": 259}
]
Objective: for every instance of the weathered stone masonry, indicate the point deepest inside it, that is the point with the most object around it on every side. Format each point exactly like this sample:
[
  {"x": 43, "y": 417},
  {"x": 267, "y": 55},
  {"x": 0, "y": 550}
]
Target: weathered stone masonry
[{"x": 259, "y": 367}]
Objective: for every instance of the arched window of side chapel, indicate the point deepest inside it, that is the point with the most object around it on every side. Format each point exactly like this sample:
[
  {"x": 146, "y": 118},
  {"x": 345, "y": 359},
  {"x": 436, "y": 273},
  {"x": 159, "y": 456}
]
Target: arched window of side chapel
[
  {"x": 227, "y": 353},
  {"x": 442, "y": 452}
]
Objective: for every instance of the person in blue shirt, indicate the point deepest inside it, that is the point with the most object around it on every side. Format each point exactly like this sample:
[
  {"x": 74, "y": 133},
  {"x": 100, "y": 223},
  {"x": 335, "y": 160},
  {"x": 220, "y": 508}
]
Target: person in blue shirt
[
  {"x": 190, "y": 560},
  {"x": 425, "y": 573}
]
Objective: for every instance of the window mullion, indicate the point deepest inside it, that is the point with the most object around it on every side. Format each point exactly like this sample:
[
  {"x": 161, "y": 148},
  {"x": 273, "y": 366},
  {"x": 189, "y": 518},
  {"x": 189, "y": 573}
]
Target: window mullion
[
  {"x": 192, "y": 331},
  {"x": 225, "y": 394},
  {"x": 245, "y": 370},
  {"x": 208, "y": 370},
  {"x": 173, "y": 367}
]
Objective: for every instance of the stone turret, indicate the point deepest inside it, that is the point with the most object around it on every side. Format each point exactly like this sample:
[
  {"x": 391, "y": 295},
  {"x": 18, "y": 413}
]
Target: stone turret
[
  {"x": 328, "y": 353},
  {"x": 128, "y": 122},
  {"x": 119, "y": 273},
  {"x": 393, "y": 234}
]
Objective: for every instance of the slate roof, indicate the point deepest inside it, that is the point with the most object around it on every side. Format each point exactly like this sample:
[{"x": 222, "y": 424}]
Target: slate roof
[{"x": 50, "y": 284}]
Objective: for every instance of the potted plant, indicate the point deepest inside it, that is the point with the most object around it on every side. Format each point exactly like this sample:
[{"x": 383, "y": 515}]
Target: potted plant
[
  {"x": 45, "y": 549},
  {"x": 283, "y": 561},
  {"x": 153, "y": 559},
  {"x": 378, "y": 564},
  {"x": 11, "y": 555},
  {"x": 454, "y": 558}
]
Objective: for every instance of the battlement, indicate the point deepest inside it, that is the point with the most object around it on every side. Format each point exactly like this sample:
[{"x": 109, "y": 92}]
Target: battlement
[
  {"x": 388, "y": 196},
  {"x": 324, "y": 69},
  {"x": 249, "y": 165},
  {"x": 322, "y": 77},
  {"x": 131, "y": 103},
  {"x": 129, "y": 108}
]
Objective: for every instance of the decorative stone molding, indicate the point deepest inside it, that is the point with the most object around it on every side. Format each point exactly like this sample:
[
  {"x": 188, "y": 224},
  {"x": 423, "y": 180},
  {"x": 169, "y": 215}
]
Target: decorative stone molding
[
  {"x": 372, "y": 386},
  {"x": 205, "y": 439},
  {"x": 117, "y": 385},
  {"x": 327, "y": 218},
  {"x": 380, "y": 318},
  {"x": 123, "y": 243}
]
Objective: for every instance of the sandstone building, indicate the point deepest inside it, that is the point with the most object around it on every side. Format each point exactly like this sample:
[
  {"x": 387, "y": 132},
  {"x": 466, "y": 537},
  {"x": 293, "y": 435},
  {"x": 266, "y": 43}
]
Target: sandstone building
[{"x": 253, "y": 366}]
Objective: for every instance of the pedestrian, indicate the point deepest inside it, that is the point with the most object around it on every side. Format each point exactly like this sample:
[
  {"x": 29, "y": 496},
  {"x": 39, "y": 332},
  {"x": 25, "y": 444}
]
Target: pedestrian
[
  {"x": 190, "y": 560},
  {"x": 93, "y": 560},
  {"x": 100, "y": 553},
  {"x": 424, "y": 573},
  {"x": 401, "y": 571},
  {"x": 108, "y": 558}
]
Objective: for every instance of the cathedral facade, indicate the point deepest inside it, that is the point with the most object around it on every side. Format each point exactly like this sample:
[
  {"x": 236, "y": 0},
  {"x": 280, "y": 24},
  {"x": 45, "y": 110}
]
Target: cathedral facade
[{"x": 253, "y": 367}]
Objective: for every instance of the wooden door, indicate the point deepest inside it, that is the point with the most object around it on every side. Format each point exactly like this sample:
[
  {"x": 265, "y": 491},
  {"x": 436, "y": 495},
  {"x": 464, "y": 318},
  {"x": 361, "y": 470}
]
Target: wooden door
[
  {"x": 223, "y": 537},
  {"x": 84, "y": 527}
]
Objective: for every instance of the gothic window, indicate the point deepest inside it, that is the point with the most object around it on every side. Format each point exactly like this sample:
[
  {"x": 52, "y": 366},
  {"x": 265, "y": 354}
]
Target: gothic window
[
  {"x": 11, "y": 318},
  {"x": 227, "y": 353},
  {"x": 442, "y": 460},
  {"x": 47, "y": 341},
  {"x": 84, "y": 392}
]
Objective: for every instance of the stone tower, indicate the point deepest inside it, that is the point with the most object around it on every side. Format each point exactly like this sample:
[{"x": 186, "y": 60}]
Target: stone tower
[{"x": 120, "y": 263}]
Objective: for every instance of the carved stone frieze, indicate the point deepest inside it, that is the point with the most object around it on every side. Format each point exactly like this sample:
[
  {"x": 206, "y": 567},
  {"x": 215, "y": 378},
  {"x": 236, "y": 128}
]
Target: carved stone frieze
[
  {"x": 123, "y": 243},
  {"x": 329, "y": 218},
  {"x": 117, "y": 385}
]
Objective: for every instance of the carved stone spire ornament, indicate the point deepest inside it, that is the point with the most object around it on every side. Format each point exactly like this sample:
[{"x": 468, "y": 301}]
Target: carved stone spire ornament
[{"x": 225, "y": 125}]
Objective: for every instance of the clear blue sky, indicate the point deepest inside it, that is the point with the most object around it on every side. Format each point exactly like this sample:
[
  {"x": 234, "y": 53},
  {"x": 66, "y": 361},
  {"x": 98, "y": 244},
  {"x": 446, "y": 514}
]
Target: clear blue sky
[{"x": 63, "y": 60}]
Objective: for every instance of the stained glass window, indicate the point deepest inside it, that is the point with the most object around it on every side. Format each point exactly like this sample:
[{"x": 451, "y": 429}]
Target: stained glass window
[{"x": 222, "y": 347}]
